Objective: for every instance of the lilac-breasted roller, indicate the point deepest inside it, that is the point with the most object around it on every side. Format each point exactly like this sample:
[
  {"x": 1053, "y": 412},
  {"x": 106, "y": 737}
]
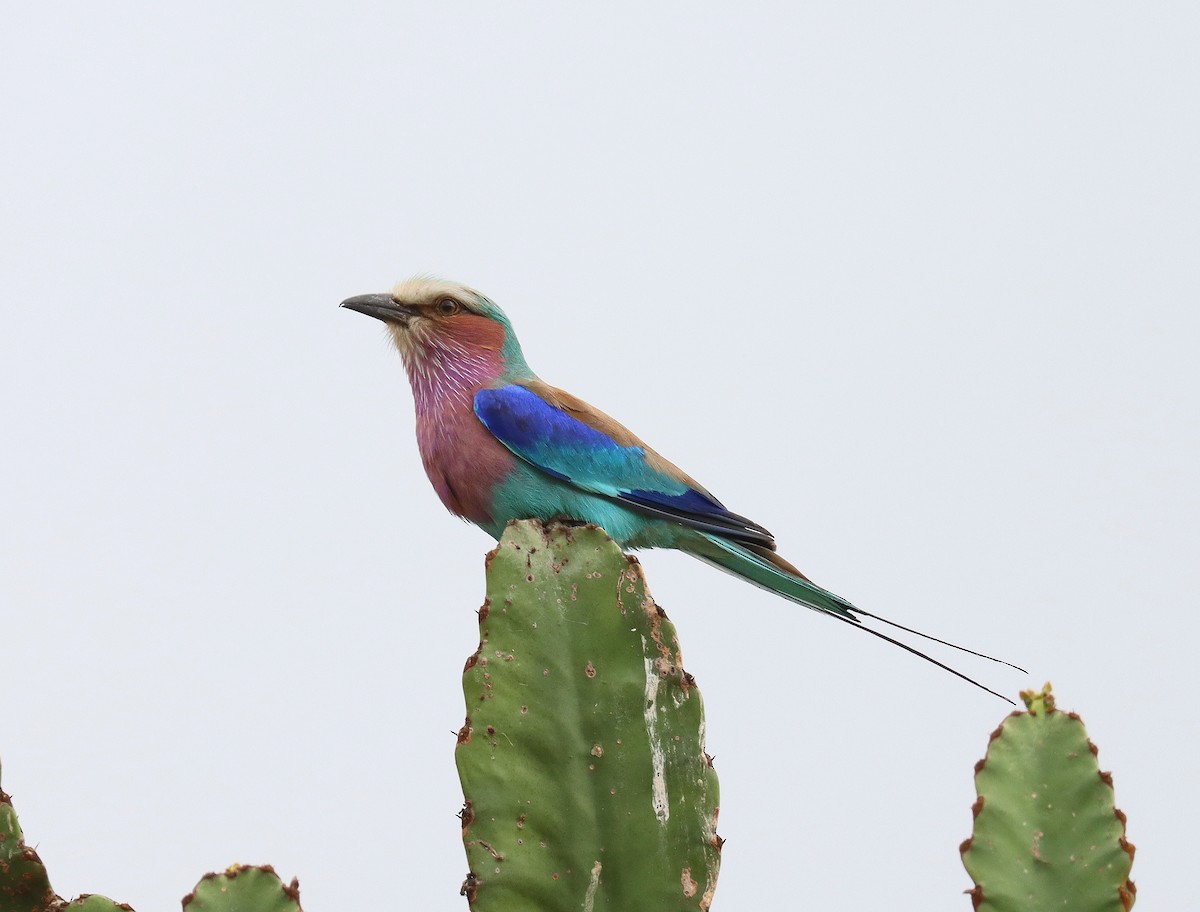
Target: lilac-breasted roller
[{"x": 500, "y": 444}]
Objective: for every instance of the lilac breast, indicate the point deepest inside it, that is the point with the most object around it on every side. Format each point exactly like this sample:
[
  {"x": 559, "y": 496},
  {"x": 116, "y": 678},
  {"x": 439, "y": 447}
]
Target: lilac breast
[{"x": 463, "y": 460}]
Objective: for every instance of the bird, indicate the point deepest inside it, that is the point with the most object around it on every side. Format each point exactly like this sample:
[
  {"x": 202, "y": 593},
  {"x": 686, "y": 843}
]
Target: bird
[{"x": 500, "y": 444}]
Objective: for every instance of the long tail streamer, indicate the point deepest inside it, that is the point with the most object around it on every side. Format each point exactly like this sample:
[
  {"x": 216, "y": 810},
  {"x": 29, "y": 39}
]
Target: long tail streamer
[{"x": 772, "y": 573}]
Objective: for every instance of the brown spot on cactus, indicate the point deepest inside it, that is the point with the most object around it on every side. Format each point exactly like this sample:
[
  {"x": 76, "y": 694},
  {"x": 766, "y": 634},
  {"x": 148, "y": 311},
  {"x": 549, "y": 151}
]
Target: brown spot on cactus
[
  {"x": 491, "y": 851},
  {"x": 1035, "y": 849},
  {"x": 690, "y": 887}
]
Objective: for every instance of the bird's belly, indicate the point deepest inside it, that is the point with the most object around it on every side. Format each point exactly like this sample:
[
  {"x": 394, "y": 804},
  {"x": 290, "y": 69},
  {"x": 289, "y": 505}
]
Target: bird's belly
[
  {"x": 528, "y": 493},
  {"x": 465, "y": 464}
]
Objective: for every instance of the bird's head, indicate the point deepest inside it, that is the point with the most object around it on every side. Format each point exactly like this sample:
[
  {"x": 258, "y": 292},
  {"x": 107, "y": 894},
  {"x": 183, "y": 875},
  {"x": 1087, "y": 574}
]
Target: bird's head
[{"x": 434, "y": 322}]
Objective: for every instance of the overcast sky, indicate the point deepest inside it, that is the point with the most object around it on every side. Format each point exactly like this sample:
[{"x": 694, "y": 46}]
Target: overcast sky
[{"x": 913, "y": 285}]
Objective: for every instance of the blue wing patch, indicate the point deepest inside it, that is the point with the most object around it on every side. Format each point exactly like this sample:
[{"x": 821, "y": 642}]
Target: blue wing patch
[{"x": 563, "y": 446}]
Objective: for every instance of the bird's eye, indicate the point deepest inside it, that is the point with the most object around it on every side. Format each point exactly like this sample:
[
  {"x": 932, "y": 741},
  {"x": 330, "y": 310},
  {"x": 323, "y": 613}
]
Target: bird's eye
[{"x": 448, "y": 307}]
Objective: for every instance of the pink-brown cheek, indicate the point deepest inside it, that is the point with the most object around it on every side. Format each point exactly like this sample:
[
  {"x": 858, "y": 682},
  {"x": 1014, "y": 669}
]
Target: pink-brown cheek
[{"x": 474, "y": 331}]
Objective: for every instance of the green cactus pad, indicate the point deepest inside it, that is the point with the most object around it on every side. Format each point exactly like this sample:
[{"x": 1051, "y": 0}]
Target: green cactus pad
[
  {"x": 582, "y": 759},
  {"x": 243, "y": 888},
  {"x": 1047, "y": 835}
]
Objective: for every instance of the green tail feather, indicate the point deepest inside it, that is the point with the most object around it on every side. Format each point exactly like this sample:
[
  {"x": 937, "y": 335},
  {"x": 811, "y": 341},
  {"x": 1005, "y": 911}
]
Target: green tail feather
[
  {"x": 770, "y": 572},
  {"x": 754, "y": 568}
]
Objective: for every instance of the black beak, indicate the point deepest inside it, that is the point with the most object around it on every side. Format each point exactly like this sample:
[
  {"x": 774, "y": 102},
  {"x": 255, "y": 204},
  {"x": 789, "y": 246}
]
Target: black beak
[{"x": 381, "y": 307}]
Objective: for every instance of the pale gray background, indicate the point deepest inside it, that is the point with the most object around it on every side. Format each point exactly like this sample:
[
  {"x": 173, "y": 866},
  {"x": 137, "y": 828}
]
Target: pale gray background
[{"x": 912, "y": 284}]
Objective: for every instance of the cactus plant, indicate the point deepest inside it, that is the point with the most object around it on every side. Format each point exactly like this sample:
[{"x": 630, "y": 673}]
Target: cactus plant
[
  {"x": 253, "y": 888},
  {"x": 587, "y": 785},
  {"x": 582, "y": 758},
  {"x": 1047, "y": 835},
  {"x": 25, "y": 885}
]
